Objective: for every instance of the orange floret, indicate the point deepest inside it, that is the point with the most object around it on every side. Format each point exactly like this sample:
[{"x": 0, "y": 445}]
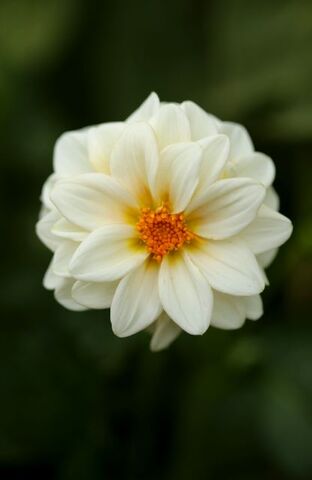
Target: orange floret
[{"x": 162, "y": 231}]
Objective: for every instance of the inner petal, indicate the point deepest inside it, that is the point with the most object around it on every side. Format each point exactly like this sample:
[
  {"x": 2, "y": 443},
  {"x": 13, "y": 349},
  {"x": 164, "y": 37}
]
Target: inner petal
[{"x": 163, "y": 232}]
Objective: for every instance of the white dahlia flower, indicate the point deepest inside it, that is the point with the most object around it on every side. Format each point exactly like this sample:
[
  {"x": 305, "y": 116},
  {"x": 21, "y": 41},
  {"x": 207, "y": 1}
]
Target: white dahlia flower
[{"x": 168, "y": 219}]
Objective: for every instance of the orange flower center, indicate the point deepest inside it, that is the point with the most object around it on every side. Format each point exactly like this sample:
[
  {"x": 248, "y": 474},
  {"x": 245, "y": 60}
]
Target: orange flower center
[{"x": 162, "y": 231}]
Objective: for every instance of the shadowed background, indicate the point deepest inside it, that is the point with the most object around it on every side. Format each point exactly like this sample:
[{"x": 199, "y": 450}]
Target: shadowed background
[{"x": 77, "y": 402}]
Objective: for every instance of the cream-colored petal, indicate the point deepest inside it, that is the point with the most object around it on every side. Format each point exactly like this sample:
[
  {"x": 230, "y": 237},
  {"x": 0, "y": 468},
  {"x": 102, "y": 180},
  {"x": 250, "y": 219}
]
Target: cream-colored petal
[
  {"x": 64, "y": 229},
  {"x": 135, "y": 159},
  {"x": 97, "y": 295},
  {"x": 145, "y": 111},
  {"x": 240, "y": 141},
  {"x": 256, "y": 165},
  {"x": 228, "y": 311},
  {"x": 50, "y": 279},
  {"x": 63, "y": 294},
  {"x": 185, "y": 294},
  {"x": 266, "y": 258},
  {"x": 101, "y": 140},
  {"x": 272, "y": 199},
  {"x": 107, "y": 254},
  {"x": 268, "y": 230},
  {"x": 178, "y": 174},
  {"x": 136, "y": 303},
  {"x": 63, "y": 256},
  {"x": 166, "y": 331},
  {"x": 201, "y": 123},
  {"x": 92, "y": 200},
  {"x": 228, "y": 266},
  {"x": 253, "y": 307},
  {"x": 171, "y": 125},
  {"x": 225, "y": 208},
  {"x": 71, "y": 154},
  {"x": 215, "y": 154},
  {"x": 46, "y": 190},
  {"x": 44, "y": 229}
]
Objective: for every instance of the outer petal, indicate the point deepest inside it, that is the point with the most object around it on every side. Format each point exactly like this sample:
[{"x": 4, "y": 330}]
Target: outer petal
[
  {"x": 44, "y": 227},
  {"x": 171, "y": 125},
  {"x": 253, "y": 307},
  {"x": 107, "y": 254},
  {"x": 225, "y": 208},
  {"x": 136, "y": 302},
  {"x": 228, "y": 311},
  {"x": 256, "y": 165},
  {"x": 63, "y": 256},
  {"x": 145, "y": 111},
  {"x": 64, "y": 296},
  {"x": 134, "y": 160},
  {"x": 64, "y": 229},
  {"x": 272, "y": 199},
  {"x": 240, "y": 140},
  {"x": 265, "y": 259},
  {"x": 228, "y": 266},
  {"x": 96, "y": 295},
  {"x": 46, "y": 190},
  {"x": 101, "y": 140},
  {"x": 166, "y": 331},
  {"x": 71, "y": 154},
  {"x": 185, "y": 294},
  {"x": 51, "y": 280},
  {"x": 215, "y": 154},
  {"x": 92, "y": 200},
  {"x": 201, "y": 123},
  {"x": 268, "y": 230},
  {"x": 178, "y": 174}
]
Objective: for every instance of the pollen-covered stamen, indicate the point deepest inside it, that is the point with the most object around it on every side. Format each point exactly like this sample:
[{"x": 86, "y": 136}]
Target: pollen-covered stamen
[{"x": 162, "y": 231}]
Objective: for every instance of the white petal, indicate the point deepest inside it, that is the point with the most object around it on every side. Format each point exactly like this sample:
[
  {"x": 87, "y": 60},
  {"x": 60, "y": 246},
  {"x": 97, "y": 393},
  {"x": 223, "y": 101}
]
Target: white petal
[
  {"x": 101, "y": 140},
  {"x": 135, "y": 159},
  {"x": 63, "y": 294},
  {"x": 44, "y": 227},
  {"x": 50, "y": 279},
  {"x": 171, "y": 125},
  {"x": 46, "y": 190},
  {"x": 264, "y": 275},
  {"x": 228, "y": 311},
  {"x": 228, "y": 266},
  {"x": 63, "y": 228},
  {"x": 253, "y": 307},
  {"x": 96, "y": 295},
  {"x": 256, "y": 165},
  {"x": 215, "y": 154},
  {"x": 240, "y": 141},
  {"x": 268, "y": 230},
  {"x": 166, "y": 331},
  {"x": 265, "y": 259},
  {"x": 145, "y": 111},
  {"x": 225, "y": 208},
  {"x": 63, "y": 256},
  {"x": 71, "y": 154},
  {"x": 92, "y": 200},
  {"x": 185, "y": 294},
  {"x": 107, "y": 254},
  {"x": 202, "y": 124},
  {"x": 136, "y": 302},
  {"x": 178, "y": 174},
  {"x": 272, "y": 199}
]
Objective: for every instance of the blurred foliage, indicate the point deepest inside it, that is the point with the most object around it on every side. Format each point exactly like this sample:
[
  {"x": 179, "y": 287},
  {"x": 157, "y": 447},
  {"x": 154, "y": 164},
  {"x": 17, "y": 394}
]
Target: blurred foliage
[{"x": 76, "y": 402}]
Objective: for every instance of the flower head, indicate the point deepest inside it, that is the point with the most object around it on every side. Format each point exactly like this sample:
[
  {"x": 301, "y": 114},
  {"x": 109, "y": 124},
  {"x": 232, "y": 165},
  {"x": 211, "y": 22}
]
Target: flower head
[{"x": 167, "y": 218}]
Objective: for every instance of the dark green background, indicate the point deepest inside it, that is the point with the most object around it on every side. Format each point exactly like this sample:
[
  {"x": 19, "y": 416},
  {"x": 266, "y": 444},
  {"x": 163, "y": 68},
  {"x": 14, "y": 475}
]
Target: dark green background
[{"x": 75, "y": 401}]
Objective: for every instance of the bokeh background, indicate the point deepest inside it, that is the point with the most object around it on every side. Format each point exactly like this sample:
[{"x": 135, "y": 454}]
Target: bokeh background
[{"x": 75, "y": 401}]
